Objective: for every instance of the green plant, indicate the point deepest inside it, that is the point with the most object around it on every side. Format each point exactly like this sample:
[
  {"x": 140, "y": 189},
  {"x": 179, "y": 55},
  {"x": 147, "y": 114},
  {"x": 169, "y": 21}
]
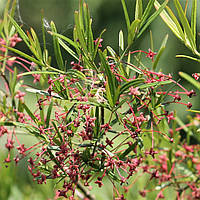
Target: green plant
[{"x": 105, "y": 117}]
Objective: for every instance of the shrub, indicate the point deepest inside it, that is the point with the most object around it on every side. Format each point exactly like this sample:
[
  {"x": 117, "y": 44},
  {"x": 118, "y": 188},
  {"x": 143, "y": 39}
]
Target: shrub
[{"x": 103, "y": 116}]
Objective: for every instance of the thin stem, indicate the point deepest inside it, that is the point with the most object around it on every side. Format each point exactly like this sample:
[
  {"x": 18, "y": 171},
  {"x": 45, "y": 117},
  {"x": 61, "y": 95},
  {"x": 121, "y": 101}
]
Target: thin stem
[{"x": 85, "y": 192}]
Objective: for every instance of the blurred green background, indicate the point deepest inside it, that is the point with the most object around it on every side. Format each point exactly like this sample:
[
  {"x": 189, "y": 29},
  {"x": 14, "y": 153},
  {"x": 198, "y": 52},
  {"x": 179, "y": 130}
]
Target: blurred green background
[{"x": 16, "y": 184}]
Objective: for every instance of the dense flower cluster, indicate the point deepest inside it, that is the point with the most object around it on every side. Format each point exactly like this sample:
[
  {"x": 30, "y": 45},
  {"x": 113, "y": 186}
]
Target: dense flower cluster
[{"x": 12, "y": 41}]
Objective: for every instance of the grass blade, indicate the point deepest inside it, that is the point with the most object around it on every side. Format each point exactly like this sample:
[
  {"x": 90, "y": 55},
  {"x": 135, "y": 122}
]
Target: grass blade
[
  {"x": 48, "y": 116},
  {"x": 57, "y": 50},
  {"x": 69, "y": 50},
  {"x": 37, "y": 43},
  {"x": 172, "y": 23},
  {"x": 147, "y": 12},
  {"x": 21, "y": 32},
  {"x": 121, "y": 42},
  {"x": 26, "y": 56},
  {"x": 194, "y": 19},
  {"x": 110, "y": 77},
  {"x": 80, "y": 34},
  {"x": 160, "y": 52},
  {"x": 190, "y": 79},
  {"x": 33, "y": 117},
  {"x": 185, "y": 24},
  {"x": 152, "y": 17},
  {"x": 128, "y": 24},
  {"x": 138, "y": 9},
  {"x": 134, "y": 83},
  {"x": 132, "y": 31}
]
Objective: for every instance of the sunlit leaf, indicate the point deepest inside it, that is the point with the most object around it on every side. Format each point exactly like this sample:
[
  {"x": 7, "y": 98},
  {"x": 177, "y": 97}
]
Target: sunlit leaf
[
  {"x": 194, "y": 18},
  {"x": 190, "y": 79},
  {"x": 126, "y": 14},
  {"x": 133, "y": 30},
  {"x": 185, "y": 24},
  {"x": 160, "y": 52},
  {"x": 172, "y": 23},
  {"x": 152, "y": 18},
  {"x": 57, "y": 49},
  {"x": 121, "y": 42},
  {"x": 138, "y": 9}
]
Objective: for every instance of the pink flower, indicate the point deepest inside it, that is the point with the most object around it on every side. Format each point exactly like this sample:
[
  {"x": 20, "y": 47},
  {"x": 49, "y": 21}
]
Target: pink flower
[
  {"x": 196, "y": 76},
  {"x": 97, "y": 40},
  {"x": 2, "y": 42},
  {"x": 134, "y": 91},
  {"x": 14, "y": 40},
  {"x": 36, "y": 78},
  {"x": 20, "y": 95},
  {"x": 150, "y": 54},
  {"x": 198, "y": 168}
]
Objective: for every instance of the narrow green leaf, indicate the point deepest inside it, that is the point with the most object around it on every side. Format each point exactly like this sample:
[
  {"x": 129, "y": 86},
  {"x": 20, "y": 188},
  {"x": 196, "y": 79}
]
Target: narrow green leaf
[
  {"x": 12, "y": 13},
  {"x": 194, "y": 19},
  {"x": 189, "y": 57},
  {"x": 42, "y": 114},
  {"x": 13, "y": 81},
  {"x": 37, "y": 43},
  {"x": 147, "y": 85},
  {"x": 13, "y": 8},
  {"x": 37, "y": 72},
  {"x": 151, "y": 41},
  {"x": 110, "y": 77},
  {"x": 88, "y": 25},
  {"x": 185, "y": 24},
  {"x": 133, "y": 30},
  {"x": 127, "y": 66},
  {"x": 190, "y": 79},
  {"x": 97, "y": 122},
  {"x": 18, "y": 124},
  {"x": 69, "y": 50},
  {"x": 121, "y": 42},
  {"x": 116, "y": 95},
  {"x": 172, "y": 23},
  {"x": 132, "y": 67},
  {"x": 138, "y": 9},
  {"x": 65, "y": 38},
  {"x": 5, "y": 19},
  {"x": 57, "y": 50},
  {"x": 48, "y": 116},
  {"x": 152, "y": 18},
  {"x": 26, "y": 56},
  {"x": 195, "y": 111},
  {"x": 81, "y": 15},
  {"x": 122, "y": 71},
  {"x": 76, "y": 73},
  {"x": 112, "y": 52},
  {"x": 80, "y": 34},
  {"x": 76, "y": 41},
  {"x": 175, "y": 20},
  {"x": 128, "y": 150},
  {"x": 33, "y": 47},
  {"x": 33, "y": 117},
  {"x": 21, "y": 32},
  {"x": 147, "y": 12},
  {"x": 160, "y": 52},
  {"x": 108, "y": 94},
  {"x": 126, "y": 14},
  {"x": 97, "y": 45},
  {"x": 132, "y": 83}
]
